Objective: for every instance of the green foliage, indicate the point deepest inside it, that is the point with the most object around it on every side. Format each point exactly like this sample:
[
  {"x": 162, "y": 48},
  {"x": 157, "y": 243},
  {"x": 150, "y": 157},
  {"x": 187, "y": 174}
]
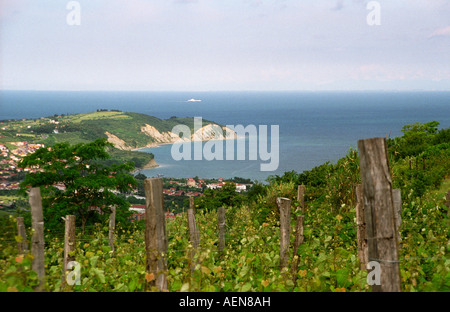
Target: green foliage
[
  {"x": 332, "y": 185},
  {"x": 416, "y": 138},
  {"x": 257, "y": 189},
  {"x": 327, "y": 260},
  {"x": 87, "y": 127},
  {"x": 82, "y": 128},
  {"x": 139, "y": 159},
  {"x": 226, "y": 196},
  {"x": 342, "y": 180},
  {"x": 250, "y": 262},
  {"x": 88, "y": 184},
  {"x": 426, "y": 167},
  {"x": 266, "y": 204}
]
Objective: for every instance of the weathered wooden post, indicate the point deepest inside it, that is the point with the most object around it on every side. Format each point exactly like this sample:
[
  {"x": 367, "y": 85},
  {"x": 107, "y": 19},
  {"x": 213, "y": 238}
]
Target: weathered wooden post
[
  {"x": 363, "y": 252},
  {"x": 397, "y": 201},
  {"x": 194, "y": 236},
  {"x": 221, "y": 223},
  {"x": 69, "y": 244},
  {"x": 300, "y": 218},
  {"x": 22, "y": 245},
  {"x": 193, "y": 230},
  {"x": 284, "y": 205},
  {"x": 191, "y": 203},
  {"x": 156, "y": 242},
  {"x": 381, "y": 229},
  {"x": 299, "y": 238},
  {"x": 112, "y": 228},
  {"x": 37, "y": 240}
]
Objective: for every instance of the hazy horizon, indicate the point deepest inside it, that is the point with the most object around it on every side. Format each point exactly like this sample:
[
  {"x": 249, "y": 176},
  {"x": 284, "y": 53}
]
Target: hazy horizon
[{"x": 237, "y": 45}]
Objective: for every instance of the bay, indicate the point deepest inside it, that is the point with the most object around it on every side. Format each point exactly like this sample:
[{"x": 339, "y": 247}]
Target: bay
[{"x": 314, "y": 127}]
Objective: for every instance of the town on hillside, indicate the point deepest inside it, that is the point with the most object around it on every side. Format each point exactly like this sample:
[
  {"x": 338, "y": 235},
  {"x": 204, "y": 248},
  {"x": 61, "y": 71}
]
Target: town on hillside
[
  {"x": 176, "y": 191},
  {"x": 9, "y": 159}
]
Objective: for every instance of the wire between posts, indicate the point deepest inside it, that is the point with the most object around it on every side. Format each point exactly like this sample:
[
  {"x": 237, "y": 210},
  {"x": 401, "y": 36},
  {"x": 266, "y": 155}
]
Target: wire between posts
[{"x": 384, "y": 261}]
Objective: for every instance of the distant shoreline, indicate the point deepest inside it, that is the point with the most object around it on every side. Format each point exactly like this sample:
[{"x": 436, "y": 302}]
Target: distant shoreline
[
  {"x": 150, "y": 165},
  {"x": 153, "y": 145},
  {"x": 153, "y": 164}
]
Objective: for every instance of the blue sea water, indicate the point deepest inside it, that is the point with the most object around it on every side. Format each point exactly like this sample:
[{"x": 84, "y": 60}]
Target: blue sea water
[{"x": 314, "y": 127}]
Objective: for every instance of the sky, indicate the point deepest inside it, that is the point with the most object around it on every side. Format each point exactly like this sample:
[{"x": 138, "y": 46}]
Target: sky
[{"x": 216, "y": 45}]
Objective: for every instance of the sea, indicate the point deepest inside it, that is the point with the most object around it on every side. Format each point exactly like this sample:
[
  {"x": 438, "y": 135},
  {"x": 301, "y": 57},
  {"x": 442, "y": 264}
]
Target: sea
[{"x": 313, "y": 127}]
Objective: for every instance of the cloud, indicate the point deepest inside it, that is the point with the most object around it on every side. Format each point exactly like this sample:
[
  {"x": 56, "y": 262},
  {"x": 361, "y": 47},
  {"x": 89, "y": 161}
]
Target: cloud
[{"x": 441, "y": 32}]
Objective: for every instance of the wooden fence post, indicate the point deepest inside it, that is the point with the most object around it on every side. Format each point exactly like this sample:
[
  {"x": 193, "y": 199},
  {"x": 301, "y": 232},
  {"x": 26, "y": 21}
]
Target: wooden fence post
[
  {"x": 69, "y": 243},
  {"x": 194, "y": 236},
  {"x": 193, "y": 230},
  {"x": 221, "y": 223},
  {"x": 284, "y": 205},
  {"x": 397, "y": 201},
  {"x": 37, "y": 240},
  {"x": 299, "y": 238},
  {"x": 156, "y": 242},
  {"x": 381, "y": 229},
  {"x": 112, "y": 228},
  {"x": 191, "y": 203},
  {"x": 22, "y": 246},
  {"x": 363, "y": 252}
]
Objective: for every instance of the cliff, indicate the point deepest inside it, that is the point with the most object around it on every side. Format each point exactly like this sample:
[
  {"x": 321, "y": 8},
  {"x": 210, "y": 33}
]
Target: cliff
[{"x": 127, "y": 131}]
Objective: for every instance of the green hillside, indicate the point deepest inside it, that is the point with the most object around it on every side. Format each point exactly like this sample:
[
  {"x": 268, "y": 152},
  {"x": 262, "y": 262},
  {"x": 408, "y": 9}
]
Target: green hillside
[
  {"x": 83, "y": 128},
  {"x": 326, "y": 261}
]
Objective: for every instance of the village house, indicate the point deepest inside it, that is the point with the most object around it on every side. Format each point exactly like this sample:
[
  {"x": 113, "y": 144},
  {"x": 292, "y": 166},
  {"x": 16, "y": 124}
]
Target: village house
[
  {"x": 139, "y": 213},
  {"x": 218, "y": 185},
  {"x": 191, "y": 182},
  {"x": 194, "y": 194},
  {"x": 215, "y": 186},
  {"x": 60, "y": 186}
]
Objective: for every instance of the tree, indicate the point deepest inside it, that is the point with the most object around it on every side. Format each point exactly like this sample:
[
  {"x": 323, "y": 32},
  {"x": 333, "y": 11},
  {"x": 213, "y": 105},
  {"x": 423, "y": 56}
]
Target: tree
[
  {"x": 74, "y": 181},
  {"x": 416, "y": 138},
  {"x": 227, "y": 194},
  {"x": 209, "y": 201}
]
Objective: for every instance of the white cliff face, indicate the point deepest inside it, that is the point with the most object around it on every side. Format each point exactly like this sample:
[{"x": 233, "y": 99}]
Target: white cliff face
[
  {"x": 213, "y": 132},
  {"x": 229, "y": 134},
  {"x": 206, "y": 133},
  {"x": 165, "y": 137},
  {"x": 117, "y": 142}
]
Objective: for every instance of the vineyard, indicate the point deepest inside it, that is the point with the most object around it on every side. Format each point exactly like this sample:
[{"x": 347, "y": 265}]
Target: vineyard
[{"x": 327, "y": 260}]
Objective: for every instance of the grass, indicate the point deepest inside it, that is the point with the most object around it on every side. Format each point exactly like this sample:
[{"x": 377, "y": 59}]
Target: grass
[
  {"x": 440, "y": 194},
  {"x": 71, "y": 137},
  {"x": 95, "y": 116},
  {"x": 87, "y": 127},
  {"x": 8, "y": 199},
  {"x": 30, "y": 135},
  {"x": 445, "y": 187}
]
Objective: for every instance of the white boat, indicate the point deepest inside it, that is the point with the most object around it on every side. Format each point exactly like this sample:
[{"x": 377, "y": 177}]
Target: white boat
[{"x": 194, "y": 100}]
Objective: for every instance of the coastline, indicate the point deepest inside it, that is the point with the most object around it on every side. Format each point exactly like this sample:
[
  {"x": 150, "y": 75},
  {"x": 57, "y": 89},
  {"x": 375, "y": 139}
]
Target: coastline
[
  {"x": 152, "y": 145},
  {"x": 153, "y": 164}
]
